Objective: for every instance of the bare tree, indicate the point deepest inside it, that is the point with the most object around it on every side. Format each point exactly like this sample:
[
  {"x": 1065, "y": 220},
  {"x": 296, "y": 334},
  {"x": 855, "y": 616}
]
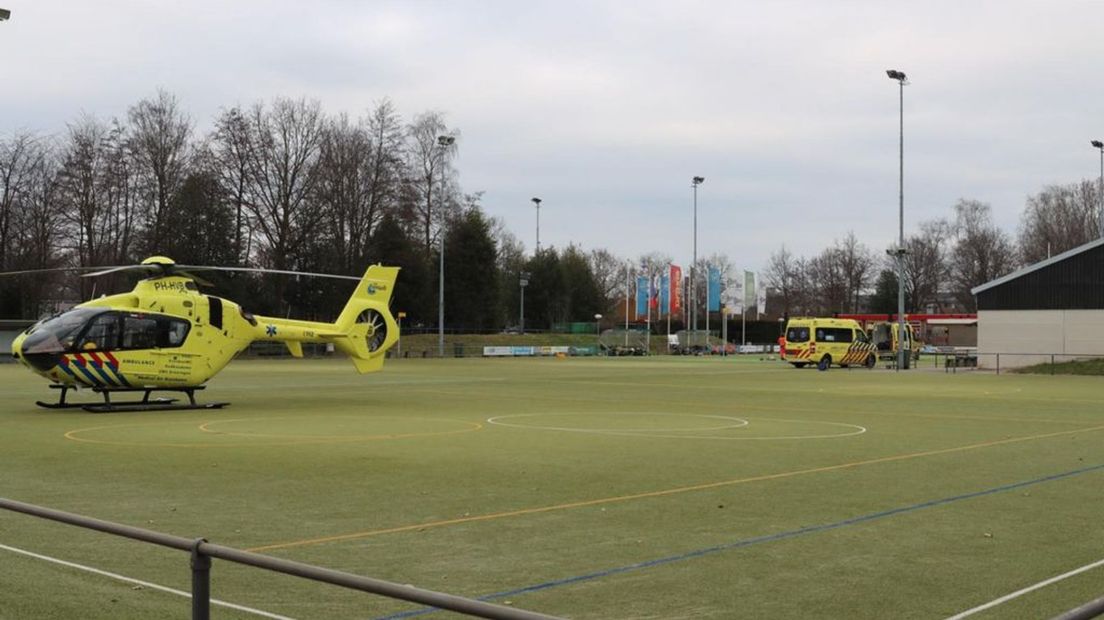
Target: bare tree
[
  {"x": 282, "y": 171},
  {"x": 609, "y": 273},
  {"x": 856, "y": 263},
  {"x": 230, "y": 152},
  {"x": 159, "y": 143},
  {"x": 431, "y": 176},
  {"x": 1059, "y": 218},
  {"x": 982, "y": 252},
  {"x": 96, "y": 192},
  {"x": 828, "y": 282},
  {"x": 783, "y": 275},
  {"x": 20, "y": 158}
]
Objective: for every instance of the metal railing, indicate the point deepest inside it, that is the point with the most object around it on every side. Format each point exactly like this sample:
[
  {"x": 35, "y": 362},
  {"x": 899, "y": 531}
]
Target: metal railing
[
  {"x": 1005, "y": 361},
  {"x": 1092, "y": 609},
  {"x": 202, "y": 551}
]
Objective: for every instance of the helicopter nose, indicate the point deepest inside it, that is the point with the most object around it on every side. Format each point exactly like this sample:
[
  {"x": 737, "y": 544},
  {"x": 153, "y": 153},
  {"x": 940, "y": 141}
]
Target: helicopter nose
[{"x": 17, "y": 346}]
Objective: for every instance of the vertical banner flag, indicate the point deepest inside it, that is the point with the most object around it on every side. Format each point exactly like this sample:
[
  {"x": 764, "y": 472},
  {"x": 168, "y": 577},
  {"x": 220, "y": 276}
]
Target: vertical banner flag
[
  {"x": 761, "y": 301},
  {"x": 653, "y": 294},
  {"x": 749, "y": 289},
  {"x": 713, "y": 292},
  {"x": 641, "y": 295},
  {"x": 676, "y": 291},
  {"x": 665, "y": 293}
]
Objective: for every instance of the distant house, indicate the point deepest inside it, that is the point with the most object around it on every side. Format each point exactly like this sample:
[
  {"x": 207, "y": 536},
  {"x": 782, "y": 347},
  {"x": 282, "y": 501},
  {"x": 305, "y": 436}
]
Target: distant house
[{"x": 1054, "y": 307}]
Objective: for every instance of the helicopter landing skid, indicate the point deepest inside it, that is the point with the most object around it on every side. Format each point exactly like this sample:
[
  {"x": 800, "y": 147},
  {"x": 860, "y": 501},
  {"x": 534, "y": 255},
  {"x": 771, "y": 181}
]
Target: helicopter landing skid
[{"x": 146, "y": 404}]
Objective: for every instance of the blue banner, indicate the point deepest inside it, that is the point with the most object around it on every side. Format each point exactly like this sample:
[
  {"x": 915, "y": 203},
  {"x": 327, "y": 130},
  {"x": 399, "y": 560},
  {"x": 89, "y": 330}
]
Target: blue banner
[
  {"x": 665, "y": 293},
  {"x": 713, "y": 294},
  {"x": 641, "y": 296}
]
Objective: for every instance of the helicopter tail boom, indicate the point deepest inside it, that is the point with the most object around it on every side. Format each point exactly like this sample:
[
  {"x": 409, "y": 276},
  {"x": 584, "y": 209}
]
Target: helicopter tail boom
[{"x": 367, "y": 328}]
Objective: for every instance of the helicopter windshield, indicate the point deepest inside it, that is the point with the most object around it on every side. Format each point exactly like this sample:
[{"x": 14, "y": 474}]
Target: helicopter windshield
[{"x": 59, "y": 333}]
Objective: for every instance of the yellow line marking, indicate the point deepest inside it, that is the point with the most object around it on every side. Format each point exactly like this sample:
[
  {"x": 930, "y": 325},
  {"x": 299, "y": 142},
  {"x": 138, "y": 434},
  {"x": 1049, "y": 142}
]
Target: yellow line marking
[
  {"x": 660, "y": 493},
  {"x": 292, "y": 440}
]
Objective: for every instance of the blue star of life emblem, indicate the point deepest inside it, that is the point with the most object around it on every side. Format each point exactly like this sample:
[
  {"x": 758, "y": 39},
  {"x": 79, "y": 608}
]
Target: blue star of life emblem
[{"x": 271, "y": 330}]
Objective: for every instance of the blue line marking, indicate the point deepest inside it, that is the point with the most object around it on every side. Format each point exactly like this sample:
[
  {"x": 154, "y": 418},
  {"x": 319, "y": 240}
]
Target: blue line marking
[{"x": 747, "y": 542}]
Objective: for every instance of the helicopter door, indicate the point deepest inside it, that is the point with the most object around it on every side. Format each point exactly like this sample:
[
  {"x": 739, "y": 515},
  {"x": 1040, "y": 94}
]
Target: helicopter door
[{"x": 102, "y": 333}]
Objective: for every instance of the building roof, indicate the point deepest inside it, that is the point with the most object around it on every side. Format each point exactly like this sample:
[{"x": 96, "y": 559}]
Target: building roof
[{"x": 1039, "y": 265}]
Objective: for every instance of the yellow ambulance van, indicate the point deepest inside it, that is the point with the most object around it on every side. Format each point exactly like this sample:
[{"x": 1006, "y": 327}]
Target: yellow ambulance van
[{"x": 828, "y": 341}]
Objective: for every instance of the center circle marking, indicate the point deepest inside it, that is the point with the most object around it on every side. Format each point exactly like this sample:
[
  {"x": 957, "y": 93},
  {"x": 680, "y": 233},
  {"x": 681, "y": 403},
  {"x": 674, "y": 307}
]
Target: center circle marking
[{"x": 731, "y": 422}]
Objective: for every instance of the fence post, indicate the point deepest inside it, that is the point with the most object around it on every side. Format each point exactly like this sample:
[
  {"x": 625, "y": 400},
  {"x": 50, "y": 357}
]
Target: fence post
[
  {"x": 201, "y": 582},
  {"x": 1052, "y": 364},
  {"x": 998, "y": 363}
]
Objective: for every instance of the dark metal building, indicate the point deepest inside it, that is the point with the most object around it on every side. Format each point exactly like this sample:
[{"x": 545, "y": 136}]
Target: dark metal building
[
  {"x": 1072, "y": 280},
  {"x": 1047, "y": 312}
]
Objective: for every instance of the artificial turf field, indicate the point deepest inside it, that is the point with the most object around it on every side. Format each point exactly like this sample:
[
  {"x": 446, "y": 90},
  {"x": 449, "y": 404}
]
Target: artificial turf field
[{"x": 585, "y": 488}]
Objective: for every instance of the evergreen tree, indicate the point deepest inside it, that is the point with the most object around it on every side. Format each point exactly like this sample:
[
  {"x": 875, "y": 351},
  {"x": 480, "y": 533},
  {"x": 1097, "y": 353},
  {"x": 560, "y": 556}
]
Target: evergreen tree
[
  {"x": 584, "y": 296},
  {"x": 545, "y": 297},
  {"x": 471, "y": 279},
  {"x": 416, "y": 289}
]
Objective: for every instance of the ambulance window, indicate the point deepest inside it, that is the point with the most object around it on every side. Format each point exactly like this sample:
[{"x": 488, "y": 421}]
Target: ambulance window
[
  {"x": 834, "y": 334},
  {"x": 821, "y": 336},
  {"x": 797, "y": 334},
  {"x": 860, "y": 336}
]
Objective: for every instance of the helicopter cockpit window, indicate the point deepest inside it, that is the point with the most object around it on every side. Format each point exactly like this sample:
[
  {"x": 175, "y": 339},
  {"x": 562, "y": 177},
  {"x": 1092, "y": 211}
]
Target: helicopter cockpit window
[
  {"x": 102, "y": 333},
  {"x": 58, "y": 334}
]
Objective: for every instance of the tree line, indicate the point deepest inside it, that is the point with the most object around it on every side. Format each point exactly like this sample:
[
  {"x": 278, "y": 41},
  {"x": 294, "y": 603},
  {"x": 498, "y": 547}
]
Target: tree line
[
  {"x": 284, "y": 185},
  {"x": 278, "y": 185},
  {"x": 943, "y": 260}
]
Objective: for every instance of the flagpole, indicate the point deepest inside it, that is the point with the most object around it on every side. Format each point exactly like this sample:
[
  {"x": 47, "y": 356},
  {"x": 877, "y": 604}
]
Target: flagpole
[
  {"x": 743, "y": 325},
  {"x": 670, "y": 298}
]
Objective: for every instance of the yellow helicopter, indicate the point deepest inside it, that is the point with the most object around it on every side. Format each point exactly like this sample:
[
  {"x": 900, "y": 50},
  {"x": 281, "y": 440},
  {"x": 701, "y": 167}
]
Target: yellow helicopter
[{"x": 165, "y": 335}]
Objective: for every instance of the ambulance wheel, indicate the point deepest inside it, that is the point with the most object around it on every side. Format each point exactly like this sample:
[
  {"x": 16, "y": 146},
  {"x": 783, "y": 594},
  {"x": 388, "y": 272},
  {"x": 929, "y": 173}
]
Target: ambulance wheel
[
  {"x": 798, "y": 364},
  {"x": 871, "y": 361},
  {"x": 825, "y": 363}
]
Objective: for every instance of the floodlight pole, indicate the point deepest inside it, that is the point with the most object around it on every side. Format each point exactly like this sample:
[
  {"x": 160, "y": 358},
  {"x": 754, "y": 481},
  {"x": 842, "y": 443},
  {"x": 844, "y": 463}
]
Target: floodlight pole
[
  {"x": 1100, "y": 145},
  {"x": 901, "y": 79},
  {"x": 598, "y": 332},
  {"x": 523, "y": 280},
  {"x": 695, "y": 182},
  {"x": 443, "y": 143},
  {"x": 537, "y": 202}
]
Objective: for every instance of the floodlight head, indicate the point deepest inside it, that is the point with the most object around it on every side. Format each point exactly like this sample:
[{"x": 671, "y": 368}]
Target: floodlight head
[
  {"x": 4, "y": 15},
  {"x": 698, "y": 180},
  {"x": 896, "y": 75},
  {"x": 536, "y": 201},
  {"x": 445, "y": 140},
  {"x": 1098, "y": 144}
]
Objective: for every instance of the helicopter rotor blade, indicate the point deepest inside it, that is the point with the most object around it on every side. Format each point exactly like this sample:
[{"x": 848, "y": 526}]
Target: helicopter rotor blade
[
  {"x": 259, "y": 270},
  {"x": 106, "y": 270},
  {"x": 22, "y": 272}
]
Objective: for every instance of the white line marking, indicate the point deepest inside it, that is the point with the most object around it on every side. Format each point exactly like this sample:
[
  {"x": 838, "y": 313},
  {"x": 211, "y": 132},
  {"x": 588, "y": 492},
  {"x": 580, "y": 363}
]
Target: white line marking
[
  {"x": 1032, "y": 588},
  {"x": 146, "y": 584}
]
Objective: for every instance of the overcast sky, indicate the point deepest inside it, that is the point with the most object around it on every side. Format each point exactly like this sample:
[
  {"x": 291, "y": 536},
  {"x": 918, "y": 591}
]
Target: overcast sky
[{"x": 606, "y": 109}]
